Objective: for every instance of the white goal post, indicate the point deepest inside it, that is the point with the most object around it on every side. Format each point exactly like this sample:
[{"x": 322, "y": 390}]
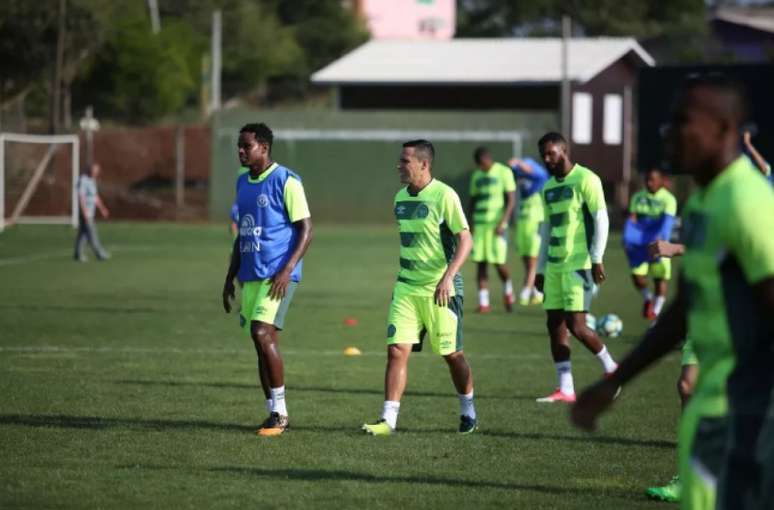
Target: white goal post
[{"x": 53, "y": 141}]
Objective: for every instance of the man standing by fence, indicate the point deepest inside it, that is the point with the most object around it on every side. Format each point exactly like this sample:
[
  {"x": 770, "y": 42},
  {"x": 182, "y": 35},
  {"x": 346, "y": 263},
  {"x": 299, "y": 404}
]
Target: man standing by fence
[{"x": 88, "y": 202}]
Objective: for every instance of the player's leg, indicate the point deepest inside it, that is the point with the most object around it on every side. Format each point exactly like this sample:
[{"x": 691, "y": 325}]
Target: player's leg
[
  {"x": 578, "y": 291},
  {"x": 640, "y": 281},
  {"x": 505, "y": 277},
  {"x": 701, "y": 448},
  {"x": 686, "y": 383},
  {"x": 265, "y": 317},
  {"x": 483, "y": 287},
  {"x": 403, "y": 331},
  {"x": 528, "y": 243},
  {"x": 559, "y": 338},
  {"x": 80, "y": 238},
  {"x": 93, "y": 238},
  {"x": 444, "y": 328},
  {"x": 662, "y": 272}
]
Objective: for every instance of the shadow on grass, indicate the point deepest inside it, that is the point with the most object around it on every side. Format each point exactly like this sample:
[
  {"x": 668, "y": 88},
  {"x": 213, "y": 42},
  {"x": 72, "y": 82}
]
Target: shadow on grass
[
  {"x": 314, "y": 389},
  {"x": 300, "y": 474},
  {"x": 102, "y": 423},
  {"x": 86, "y": 309}
]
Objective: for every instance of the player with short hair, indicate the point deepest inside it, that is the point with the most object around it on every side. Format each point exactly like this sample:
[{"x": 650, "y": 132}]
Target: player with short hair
[
  {"x": 275, "y": 229},
  {"x": 651, "y": 217},
  {"x": 427, "y": 298},
  {"x": 530, "y": 179},
  {"x": 725, "y": 303},
  {"x": 492, "y": 199},
  {"x": 574, "y": 235}
]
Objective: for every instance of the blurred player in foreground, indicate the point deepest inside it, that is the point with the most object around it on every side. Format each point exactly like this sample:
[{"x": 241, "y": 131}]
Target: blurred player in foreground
[
  {"x": 427, "y": 298},
  {"x": 492, "y": 199},
  {"x": 725, "y": 303},
  {"x": 651, "y": 217},
  {"x": 88, "y": 202},
  {"x": 686, "y": 383},
  {"x": 530, "y": 179},
  {"x": 574, "y": 237},
  {"x": 275, "y": 229}
]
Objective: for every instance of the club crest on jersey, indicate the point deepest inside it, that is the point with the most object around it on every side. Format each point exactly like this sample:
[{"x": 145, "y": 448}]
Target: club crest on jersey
[
  {"x": 263, "y": 200},
  {"x": 422, "y": 211}
]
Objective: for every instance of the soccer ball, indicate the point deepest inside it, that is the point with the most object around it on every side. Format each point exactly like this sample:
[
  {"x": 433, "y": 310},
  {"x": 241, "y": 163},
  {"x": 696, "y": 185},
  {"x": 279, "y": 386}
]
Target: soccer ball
[
  {"x": 609, "y": 325},
  {"x": 591, "y": 321}
]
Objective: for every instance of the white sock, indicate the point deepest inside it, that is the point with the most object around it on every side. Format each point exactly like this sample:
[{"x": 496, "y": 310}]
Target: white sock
[
  {"x": 658, "y": 304},
  {"x": 647, "y": 295},
  {"x": 508, "y": 288},
  {"x": 278, "y": 401},
  {"x": 269, "y": 405},
  {"x": 466, "y": 405},
  {"x": 607, "y": 361},
  {"x": 525, "y": 293},
  {"x": 483, "y": 297},
  {"x": 390, "y": 412},
  {"x": 564, "y": 371}
]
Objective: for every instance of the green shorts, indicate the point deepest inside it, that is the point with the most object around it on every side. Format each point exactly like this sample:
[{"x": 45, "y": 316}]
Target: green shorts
[
  {"x": 659, "y": 270},
  {"x": 701, "y": 452},
  {"x": 488, "y": 246},
  {"x": 688, "y": 354},
  {"x": 570, "y": 291},
  {"x": 258, "y": 306},
  {"x": 528, "y": 237},
  {"x": 412, "y": 317}
]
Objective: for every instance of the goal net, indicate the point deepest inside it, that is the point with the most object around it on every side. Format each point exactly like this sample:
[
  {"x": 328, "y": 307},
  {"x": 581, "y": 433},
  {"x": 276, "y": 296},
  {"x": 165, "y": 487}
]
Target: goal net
[{"x": 38, "y": 176}]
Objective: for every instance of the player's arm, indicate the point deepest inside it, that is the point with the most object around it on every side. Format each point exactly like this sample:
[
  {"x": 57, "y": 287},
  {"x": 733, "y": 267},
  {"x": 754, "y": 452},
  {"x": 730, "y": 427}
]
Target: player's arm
[
  {"x": 510, "y": 201},
  {"x": 454, "y": 217},
  {"x": 545, "y": 234},
  {"x": 662, "y": 248},
  {"x": 662, "y": 338},
  {"x": 102, "y": 207},
  {"x": 298, "y": 212},
  {"x": 233, "y": 268},
  {"x": 759, "y": 161},
  {"x": 595, "y": 200},
  {"x": 446, "y": 284}
]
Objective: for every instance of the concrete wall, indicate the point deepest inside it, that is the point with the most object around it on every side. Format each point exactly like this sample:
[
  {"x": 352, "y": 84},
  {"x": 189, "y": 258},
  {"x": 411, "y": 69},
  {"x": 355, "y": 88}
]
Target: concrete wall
[{"x": 355, "y": 181}]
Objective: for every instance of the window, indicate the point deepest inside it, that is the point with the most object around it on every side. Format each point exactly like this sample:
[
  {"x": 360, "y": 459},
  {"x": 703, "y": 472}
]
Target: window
[
  {"x": 612, "y": 126},
  {"x": 581, "y": 117}
]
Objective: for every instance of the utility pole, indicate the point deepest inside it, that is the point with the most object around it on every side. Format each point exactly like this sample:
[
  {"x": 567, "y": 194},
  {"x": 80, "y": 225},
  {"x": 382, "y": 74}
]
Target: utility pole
[
  {"x": 217, "y": 30},
  {"x": 153, "y": 7},
  {"x": 56, "y": 86},
  {"x": 565, "y": 92}
]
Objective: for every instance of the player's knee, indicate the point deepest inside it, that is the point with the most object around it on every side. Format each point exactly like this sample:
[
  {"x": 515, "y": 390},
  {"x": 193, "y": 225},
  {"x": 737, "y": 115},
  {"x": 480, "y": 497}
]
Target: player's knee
[
  {"x": 262, "y": 334},
  {"x": 395, "y": 354},
  {"x": 454, "y": 358}
]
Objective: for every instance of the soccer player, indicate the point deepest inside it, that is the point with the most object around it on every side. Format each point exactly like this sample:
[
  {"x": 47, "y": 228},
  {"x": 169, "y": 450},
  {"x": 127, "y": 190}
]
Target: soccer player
[
  {"x": 275, "y": 229},
  {"x": 492, "y": 199},
  {"x": 427, "y": 298},
  {"x": 89, "y": 201},
  {"x": 651, "y": 217},
  {"x": 725, "y": 303},
  {"x": 530, "y": 179},
  {"x": 574, "y": 236}
]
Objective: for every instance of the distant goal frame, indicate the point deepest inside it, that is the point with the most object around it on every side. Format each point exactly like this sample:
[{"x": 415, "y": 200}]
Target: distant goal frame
[{"x": 51, "y": 140}]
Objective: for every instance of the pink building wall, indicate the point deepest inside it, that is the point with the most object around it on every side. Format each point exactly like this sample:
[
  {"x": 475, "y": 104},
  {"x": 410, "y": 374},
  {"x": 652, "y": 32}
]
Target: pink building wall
[{"x": 410, "y": 19}]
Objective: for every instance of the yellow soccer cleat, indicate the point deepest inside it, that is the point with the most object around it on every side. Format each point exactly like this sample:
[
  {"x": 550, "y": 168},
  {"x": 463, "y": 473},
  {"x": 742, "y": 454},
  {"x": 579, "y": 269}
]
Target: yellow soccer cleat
[{"x": 380, "y": 428}]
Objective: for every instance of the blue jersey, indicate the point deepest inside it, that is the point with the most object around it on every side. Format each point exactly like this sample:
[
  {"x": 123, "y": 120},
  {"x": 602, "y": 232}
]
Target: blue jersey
[
  {"x": 235, "y": 212},
  {"x": 267, "y": 237},
  {"x": 530, "y": 182}
]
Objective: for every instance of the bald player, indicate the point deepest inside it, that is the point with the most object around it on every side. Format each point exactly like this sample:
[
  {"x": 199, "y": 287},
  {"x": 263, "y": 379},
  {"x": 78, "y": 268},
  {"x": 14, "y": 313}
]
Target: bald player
[{"x": 725, "y": 303}]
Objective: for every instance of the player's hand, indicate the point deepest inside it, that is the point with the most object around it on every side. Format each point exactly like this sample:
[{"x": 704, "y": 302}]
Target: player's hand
[
  {"x": 443, "y": 291},
  {"x": 229, "y": 294},
  {"x": 598, "y": 273},
  {"x": 591, "y": 403},
  {"x": 747, "y": 137},
  {"x": 662, "y": 248},
  {"x": 279, "y": 285},
  {"x": 539, "y": 281},
  {"x": 513, "y": 162},
  {"x": 105, "y": 213},
  {"x": 500, "y": 229}
]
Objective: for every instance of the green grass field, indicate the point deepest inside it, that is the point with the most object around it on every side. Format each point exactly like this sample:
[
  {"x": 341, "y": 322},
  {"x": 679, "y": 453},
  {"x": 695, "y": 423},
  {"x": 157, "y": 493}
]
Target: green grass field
[{"x": 124, "y": 384}]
